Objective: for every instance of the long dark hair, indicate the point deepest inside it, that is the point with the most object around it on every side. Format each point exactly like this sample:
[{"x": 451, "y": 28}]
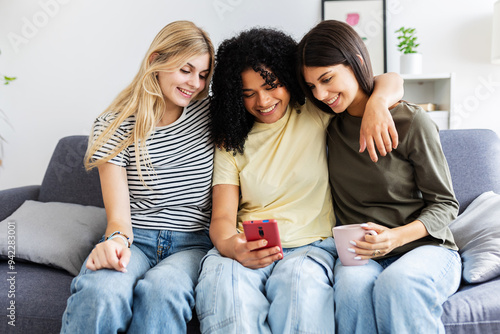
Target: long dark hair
[
  {"x": 268, "y": 52},
  {"x": 332, "y": 43}
]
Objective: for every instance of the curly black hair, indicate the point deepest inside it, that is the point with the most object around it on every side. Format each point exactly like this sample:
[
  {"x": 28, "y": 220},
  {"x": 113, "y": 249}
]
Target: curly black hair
[{"x": 259, "y": 49}]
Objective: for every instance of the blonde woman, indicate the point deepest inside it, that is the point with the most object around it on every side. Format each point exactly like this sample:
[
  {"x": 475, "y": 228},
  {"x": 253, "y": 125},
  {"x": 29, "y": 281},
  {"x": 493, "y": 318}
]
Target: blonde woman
[{"x": 154, "y": 153}]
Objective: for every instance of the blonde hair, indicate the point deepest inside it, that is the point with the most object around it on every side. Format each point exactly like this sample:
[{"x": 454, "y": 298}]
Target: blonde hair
[{"x": 172, "y": 47}]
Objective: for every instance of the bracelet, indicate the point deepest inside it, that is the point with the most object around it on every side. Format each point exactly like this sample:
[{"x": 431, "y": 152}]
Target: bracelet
[{"x": 123, "y": 236}]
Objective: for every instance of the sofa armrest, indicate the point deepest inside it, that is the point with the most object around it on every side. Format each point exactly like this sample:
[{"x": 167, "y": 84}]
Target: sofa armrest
[{"x": 12, "y": 198}]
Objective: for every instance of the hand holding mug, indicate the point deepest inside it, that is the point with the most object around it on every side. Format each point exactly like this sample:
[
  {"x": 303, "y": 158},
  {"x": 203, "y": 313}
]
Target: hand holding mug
[
  {"x": 387, "y": 239},
  {"x": 345, "y": 237}
]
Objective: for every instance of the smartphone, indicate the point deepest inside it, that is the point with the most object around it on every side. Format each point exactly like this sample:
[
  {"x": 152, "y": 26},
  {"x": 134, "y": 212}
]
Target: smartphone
[{"x": 263, "y": 229}]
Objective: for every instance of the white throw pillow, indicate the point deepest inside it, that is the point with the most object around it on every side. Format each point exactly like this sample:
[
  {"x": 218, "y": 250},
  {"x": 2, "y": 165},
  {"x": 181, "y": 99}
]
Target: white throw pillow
[{"x": 477, "y": 234}]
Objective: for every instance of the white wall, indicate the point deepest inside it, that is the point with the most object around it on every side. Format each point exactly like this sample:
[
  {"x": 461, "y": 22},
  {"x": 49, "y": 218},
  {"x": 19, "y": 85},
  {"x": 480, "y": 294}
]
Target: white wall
[
  {"x": 72, "y": 57},
  {"x": 455, "y": 36}
]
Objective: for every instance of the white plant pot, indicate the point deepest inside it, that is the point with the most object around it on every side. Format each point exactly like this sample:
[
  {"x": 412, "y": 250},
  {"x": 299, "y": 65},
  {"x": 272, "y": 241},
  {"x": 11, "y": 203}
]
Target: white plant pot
[{"x": 411, "y": 63}]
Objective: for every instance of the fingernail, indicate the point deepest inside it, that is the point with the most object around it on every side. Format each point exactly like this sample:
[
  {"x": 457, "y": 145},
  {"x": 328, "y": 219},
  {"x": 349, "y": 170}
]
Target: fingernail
[
  {"x": 357, "y": 258},
  {"x": 364, "y": 225},
  {"x": 264, "y": 242},
  {"x": 352, "y": 243},
  {"x": 351, "y": 250},
  {"x": 123, "y": 264}
]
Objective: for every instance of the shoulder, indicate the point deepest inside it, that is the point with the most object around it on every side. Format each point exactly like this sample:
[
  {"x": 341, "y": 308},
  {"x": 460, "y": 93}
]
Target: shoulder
[
  {"x": 199, "y": 106},
  {"x": 107, "y": 118},
  {"x": 415, "y": 127},
  {"x": 223, "y": 158},
  {"x": 313, "y": 111},
  {"x": 409, "y": 117}
]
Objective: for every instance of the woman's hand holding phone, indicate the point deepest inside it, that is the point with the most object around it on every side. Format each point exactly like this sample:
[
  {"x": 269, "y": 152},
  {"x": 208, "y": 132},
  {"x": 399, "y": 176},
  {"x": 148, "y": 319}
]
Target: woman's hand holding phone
[{"x": 250, "y": 254}]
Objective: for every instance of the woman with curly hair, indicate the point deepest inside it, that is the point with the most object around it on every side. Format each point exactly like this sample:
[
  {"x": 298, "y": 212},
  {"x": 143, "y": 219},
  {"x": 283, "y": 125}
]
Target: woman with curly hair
[
  {"x": 270, "y": 164},
  {"x": 407, "y": 197},
  {"x": 154, "y": 153}
]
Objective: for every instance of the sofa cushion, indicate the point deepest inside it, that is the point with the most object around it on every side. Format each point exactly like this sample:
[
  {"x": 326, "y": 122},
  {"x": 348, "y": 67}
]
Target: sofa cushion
[
  {"x": 473, "y": 157},
  {"x": 477, "y": 234},
  {"x": 40, "y": 295},
  {"x": 474, "y": 309},
  {"x": 66, "y": 180},
  {"x": 56, "y": 234}
]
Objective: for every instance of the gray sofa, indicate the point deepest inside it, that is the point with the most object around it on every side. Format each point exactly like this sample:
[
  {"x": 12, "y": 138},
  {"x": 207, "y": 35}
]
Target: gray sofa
[{"x": 41, "y": 291}]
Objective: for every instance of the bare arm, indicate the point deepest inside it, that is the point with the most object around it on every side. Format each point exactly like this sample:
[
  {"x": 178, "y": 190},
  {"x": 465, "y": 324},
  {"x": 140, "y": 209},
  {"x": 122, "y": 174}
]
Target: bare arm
[
  {"x": 377, "y": 126},
  {"x": 114, "y": 253},
  {"x": 229, "y": 243},
  {"x": 224, "y": 209}
]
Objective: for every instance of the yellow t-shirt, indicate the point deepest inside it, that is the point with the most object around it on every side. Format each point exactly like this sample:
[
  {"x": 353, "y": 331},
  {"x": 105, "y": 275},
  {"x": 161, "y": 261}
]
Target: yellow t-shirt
[{"x": 283, "y": 175}]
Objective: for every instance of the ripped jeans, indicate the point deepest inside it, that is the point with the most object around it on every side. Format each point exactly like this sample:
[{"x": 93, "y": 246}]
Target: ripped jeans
[{"x": 293, "y": 295}]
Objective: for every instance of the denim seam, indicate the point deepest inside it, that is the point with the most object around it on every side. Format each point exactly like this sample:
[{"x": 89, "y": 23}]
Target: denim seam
[
  {"x": 213, "y": 307},
  {"x": 220, "y": 325},
  {"x": 236, "y": 301},
  {"x": 296, "y": 329},
  {"x": 213, "y": 310},
  {"x": 472, "y": 323},
  {"x": 446, "y": 270},
  {"x": 296, "y": 278}
]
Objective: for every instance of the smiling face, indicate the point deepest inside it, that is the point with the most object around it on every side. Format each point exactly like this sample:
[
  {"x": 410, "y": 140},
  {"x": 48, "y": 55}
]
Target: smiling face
[
  {"x": 337, "y": 87},
  {"x": 181, "y": 86},
  {"x": 266, "y": 103}
]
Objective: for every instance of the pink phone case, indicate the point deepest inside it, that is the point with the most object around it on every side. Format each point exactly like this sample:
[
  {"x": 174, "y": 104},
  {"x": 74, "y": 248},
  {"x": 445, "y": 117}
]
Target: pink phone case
[{"x": 263, "y": 229}]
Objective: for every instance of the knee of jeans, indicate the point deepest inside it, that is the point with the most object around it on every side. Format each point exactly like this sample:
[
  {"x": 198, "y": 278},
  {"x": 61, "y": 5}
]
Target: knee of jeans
[
  {"x": 166, "y": 285},
  {"x": 319, "y": 259},
  {"x": 208, "y": 285},
  {"x": 312, "y": 265},
  {"x": 104, "y": 285},
  {"x": 316, "y": 268},
  {"x": 396, "y": 286},
  {"x": 353, "y": 288}
]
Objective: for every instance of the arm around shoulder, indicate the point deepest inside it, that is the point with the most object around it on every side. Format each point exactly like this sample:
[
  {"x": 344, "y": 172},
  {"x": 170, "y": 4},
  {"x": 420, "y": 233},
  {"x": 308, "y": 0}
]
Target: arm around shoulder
[{"x": 377, "y": 127}]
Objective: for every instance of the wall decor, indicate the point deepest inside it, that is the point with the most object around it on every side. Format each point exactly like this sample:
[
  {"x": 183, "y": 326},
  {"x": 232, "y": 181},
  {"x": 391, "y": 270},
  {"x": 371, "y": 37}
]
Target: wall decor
[{"x": 367, "y": 17}]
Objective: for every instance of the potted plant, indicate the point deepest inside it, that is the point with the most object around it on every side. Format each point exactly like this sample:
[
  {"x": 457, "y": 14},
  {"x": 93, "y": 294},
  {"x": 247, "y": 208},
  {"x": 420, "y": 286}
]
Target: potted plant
[
  {"x": 3, "y": 117},
  {"x": 411, "y": 60}
]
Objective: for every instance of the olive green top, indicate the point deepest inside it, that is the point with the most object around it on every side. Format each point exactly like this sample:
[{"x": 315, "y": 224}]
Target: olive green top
[{"x": 411, "y": 183}]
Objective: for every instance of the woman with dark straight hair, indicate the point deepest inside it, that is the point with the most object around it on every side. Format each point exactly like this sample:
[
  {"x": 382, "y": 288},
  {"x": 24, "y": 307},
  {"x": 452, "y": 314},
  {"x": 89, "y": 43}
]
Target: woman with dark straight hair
[{"x": 406, "y": 197}]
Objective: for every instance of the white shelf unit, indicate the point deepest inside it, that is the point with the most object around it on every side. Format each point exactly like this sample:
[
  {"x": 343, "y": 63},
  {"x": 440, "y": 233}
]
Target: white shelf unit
[{"x": 431, "y": 88}]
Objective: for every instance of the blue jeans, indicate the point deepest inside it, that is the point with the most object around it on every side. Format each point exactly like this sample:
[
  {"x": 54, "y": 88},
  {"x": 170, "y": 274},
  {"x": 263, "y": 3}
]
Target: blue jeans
[
  {"x": 401, "y": 294},
  {"x": 155, "y": 295},
  {"x": 293, "y": 295}
]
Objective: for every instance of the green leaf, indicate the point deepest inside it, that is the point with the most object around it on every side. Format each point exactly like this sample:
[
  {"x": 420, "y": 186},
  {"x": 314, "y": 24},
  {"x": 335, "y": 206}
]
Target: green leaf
[
  {"x": 8, "y": 80},
  {"x": 407, "y": 40}
]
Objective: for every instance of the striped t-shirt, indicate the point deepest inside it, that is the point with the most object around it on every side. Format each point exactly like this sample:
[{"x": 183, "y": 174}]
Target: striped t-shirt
[{"x": 181, "y": 153}]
